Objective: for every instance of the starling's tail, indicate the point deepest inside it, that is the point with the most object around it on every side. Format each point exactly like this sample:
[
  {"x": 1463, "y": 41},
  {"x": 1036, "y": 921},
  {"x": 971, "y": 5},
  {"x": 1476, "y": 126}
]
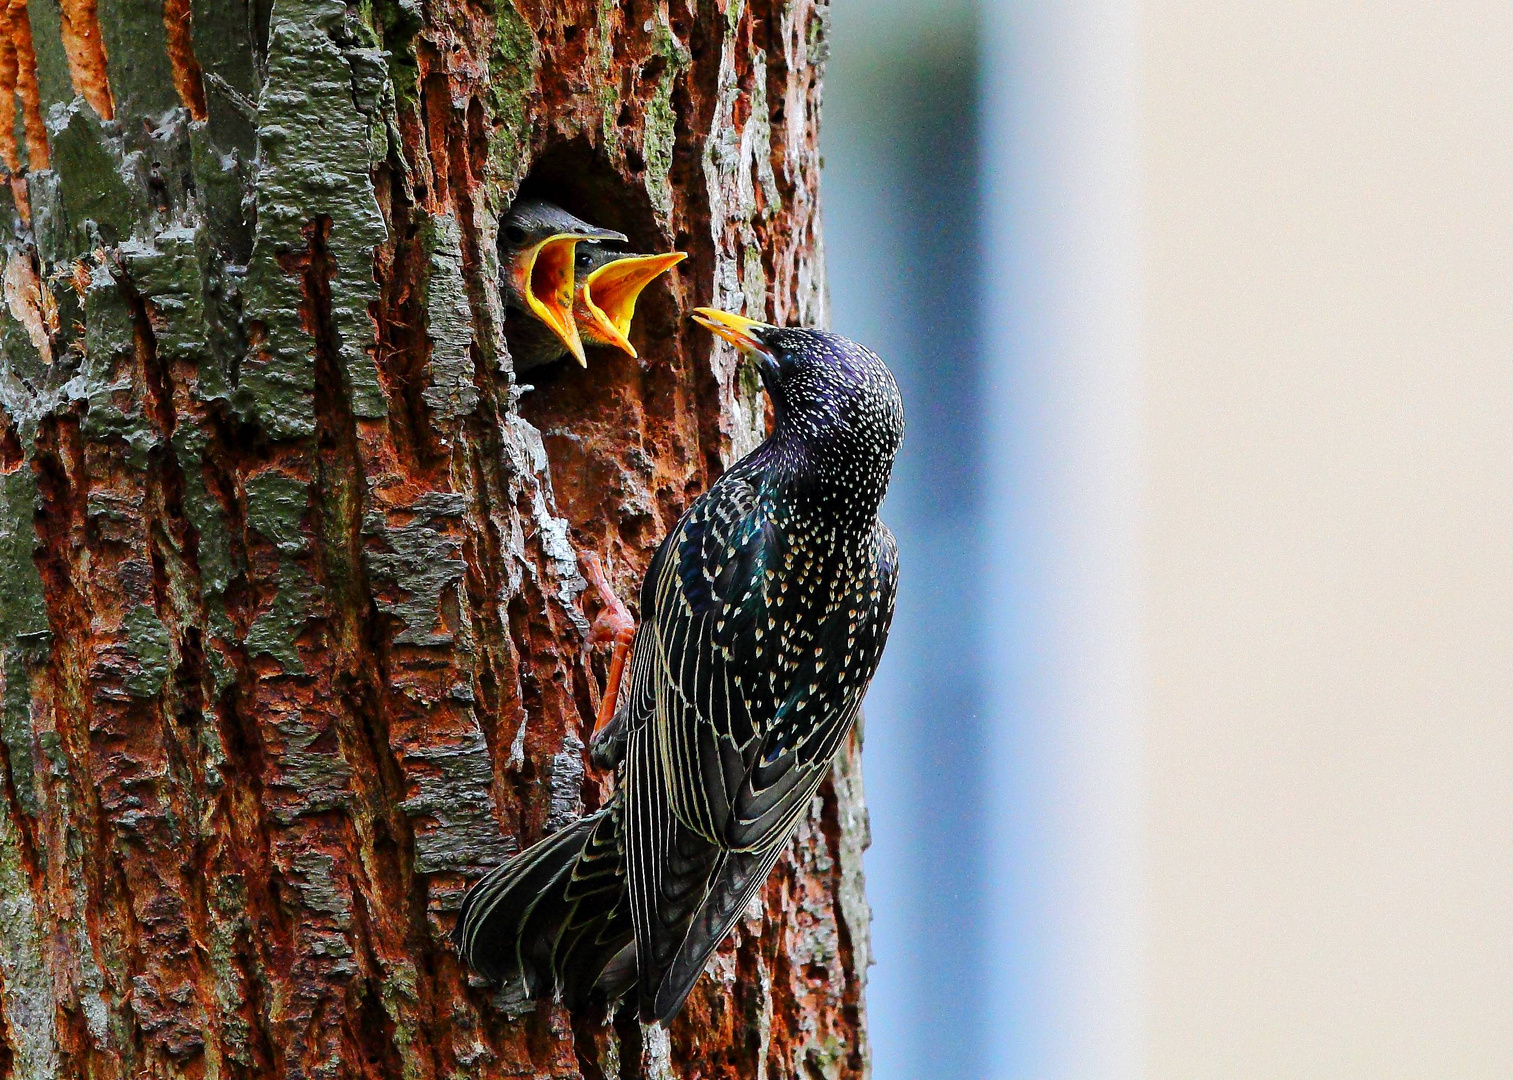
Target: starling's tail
[
  {"x": 735, "y": 879},
  {"x": 555, "y": 917}
]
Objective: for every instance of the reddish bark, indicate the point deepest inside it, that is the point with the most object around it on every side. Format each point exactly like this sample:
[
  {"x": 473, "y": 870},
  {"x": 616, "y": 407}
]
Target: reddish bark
[{"x": 294, "y": 636}]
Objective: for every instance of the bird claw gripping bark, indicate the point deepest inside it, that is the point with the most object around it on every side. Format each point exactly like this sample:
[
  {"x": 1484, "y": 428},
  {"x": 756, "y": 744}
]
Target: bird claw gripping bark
[{"x": 613, "y": 625}]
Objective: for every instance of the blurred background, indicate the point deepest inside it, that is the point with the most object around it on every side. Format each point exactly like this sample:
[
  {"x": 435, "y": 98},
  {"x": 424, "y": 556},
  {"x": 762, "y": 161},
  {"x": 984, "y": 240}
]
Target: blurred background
[{"x": 1192, "y": 752}]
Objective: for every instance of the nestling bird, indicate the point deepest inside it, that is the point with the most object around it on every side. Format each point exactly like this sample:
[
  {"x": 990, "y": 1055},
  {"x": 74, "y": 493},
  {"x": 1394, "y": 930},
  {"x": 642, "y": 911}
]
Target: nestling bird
[
  {"x": 764, "y": 613},
  {"x": 537, "y": 247},
  {"x": 563, "y": 288},
  {"x": 608, "y": 284}
]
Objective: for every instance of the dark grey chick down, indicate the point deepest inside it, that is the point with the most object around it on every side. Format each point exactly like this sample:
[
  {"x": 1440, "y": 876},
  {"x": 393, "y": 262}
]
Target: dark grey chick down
[{"x": 763, "y": 616}]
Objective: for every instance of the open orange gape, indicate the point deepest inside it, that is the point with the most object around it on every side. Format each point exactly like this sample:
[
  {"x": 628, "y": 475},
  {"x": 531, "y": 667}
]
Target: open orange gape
[
  {"x": 544, "y": 276},
  {"x": 606, "y": 302},
  {"x": 566, "y": 287}
]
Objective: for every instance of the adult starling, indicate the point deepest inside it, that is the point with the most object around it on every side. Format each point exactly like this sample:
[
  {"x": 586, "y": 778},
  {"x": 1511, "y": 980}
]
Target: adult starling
[
  {"x": 537, "y": 247},
  {"x": 608, "y": 285},
  {"x": 764, "y": 614}
]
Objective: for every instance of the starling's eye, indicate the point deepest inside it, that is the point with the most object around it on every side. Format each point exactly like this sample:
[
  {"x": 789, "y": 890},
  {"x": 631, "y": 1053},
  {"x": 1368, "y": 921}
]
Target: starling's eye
[{"x": 514, "y": 233}]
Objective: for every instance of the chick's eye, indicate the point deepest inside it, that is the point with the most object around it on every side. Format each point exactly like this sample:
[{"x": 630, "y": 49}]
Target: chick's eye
[{"x": 514, "y": 233}]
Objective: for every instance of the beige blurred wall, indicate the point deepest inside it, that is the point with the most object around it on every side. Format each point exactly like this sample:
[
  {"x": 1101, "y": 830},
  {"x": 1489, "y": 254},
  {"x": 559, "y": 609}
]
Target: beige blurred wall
[{"x": 1328, "y": 538}]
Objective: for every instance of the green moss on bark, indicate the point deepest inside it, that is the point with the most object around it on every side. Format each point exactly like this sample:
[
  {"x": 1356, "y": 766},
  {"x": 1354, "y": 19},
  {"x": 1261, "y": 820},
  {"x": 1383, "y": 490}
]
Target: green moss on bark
[
  {"x": 420, "y": 562},
  {"x": 276, "y": 506},
  {"x": 661, "y": 129},
  {"x": 315, "y": 120},
  {"x": 136, "y": 42},
  {"x": 147, "y": 638},
  {"x": 275, "y": 631},
  {"x": 88, "y": 201},
  {"x": 111, "y": 402},
  {"x": 513, "y": 69},
  {"x": 27, "y": 996}
]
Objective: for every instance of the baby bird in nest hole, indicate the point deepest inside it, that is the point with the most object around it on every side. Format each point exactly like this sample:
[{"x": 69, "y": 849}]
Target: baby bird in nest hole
[{"x": 563, "y": 287}]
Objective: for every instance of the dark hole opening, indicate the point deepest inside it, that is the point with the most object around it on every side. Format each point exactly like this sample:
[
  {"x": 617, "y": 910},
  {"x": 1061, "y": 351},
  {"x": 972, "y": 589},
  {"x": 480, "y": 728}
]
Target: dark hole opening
[{"x": 610, "y": 428}]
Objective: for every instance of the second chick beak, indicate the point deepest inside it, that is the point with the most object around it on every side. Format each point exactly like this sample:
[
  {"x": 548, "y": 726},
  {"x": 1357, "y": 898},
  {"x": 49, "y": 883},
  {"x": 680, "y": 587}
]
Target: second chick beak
[
  {"x": 740, "y": 331},
  {"x": 544, "y": 276},
  {"x": 607, "y": 302}
]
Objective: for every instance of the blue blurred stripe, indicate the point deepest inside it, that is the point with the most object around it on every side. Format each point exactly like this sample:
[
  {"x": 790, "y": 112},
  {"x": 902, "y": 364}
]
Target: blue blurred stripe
[
  {"x": 902, "y": 221},
  {"x": 1063, "y": 384},
  {"x": 990, "y": 253}
]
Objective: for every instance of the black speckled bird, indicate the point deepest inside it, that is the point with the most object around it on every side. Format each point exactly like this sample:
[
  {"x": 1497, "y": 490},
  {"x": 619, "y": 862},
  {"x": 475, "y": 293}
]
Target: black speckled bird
[
  {"x": 537, "y": 250},
  {"x": 764, "y": 614}
]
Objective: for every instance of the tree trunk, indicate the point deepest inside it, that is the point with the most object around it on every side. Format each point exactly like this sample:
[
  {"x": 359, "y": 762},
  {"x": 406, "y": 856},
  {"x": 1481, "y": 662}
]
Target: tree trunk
[{"x": 293, "y": 640}]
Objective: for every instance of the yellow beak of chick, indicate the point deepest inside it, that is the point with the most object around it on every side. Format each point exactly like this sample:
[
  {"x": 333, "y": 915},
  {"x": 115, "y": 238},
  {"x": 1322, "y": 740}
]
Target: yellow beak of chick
[
  {"x": 544, "y": 276},
  {"x": 605, "y": 302}
]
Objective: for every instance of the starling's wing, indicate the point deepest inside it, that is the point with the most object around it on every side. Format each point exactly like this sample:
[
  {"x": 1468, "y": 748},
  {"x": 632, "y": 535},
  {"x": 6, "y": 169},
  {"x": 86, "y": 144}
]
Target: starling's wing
[
  {"x": 554, "y": 915},
  {"x": 668, "y": 865},
  {"x": 683, "y": 604},
  {"x": 723, "y": 759},
  {"x": 703, "y": 602},
  {"x": 684, "y": 722},
  {"x": 685, "y": 889},
  {"x": 821, "y": 702}
]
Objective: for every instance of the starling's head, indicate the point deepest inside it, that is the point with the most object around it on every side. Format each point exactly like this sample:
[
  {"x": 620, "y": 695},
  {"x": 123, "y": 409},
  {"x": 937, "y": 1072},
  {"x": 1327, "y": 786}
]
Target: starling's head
[
  {"x": 608, "y": 283},
  {"x": 824, "y": 388},
  {"x": 537, "y": 243}
]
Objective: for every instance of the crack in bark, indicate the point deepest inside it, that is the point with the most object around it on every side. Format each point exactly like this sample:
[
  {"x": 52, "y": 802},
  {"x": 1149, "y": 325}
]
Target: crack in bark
[
  {"x": 18, "y": 91},
  {"x": 188, "y": 79}
]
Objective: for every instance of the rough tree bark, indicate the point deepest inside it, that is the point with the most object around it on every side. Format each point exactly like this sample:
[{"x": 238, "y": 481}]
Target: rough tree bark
[{"x": 292, "y": 626}]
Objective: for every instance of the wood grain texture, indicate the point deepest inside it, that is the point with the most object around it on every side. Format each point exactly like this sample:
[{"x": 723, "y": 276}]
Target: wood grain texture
[{"x": 292, "y": 633}]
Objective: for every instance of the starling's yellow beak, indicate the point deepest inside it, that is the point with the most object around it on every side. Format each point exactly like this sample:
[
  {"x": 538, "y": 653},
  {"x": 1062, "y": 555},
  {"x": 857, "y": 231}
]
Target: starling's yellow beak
[
  {"x": 607, "y": 301},
  {"x": 736, "y": 329},
  {"x": 544, "y": 276}
]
